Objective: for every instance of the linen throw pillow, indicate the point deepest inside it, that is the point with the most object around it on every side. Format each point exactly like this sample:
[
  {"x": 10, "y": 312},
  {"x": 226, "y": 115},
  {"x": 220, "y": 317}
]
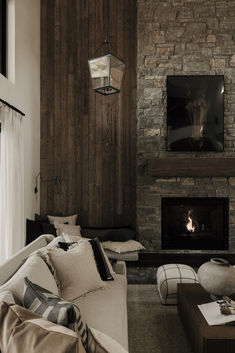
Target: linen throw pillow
[
  {"x": 68, "y": 229},
  {"x": 76, "y": 270},
  {"x": 53, "y": 308},
  {"x": 71, "y": 238},
  {"x": 21, "y": 330},
  {"x": 69, "y": 220},
  {"x": 100, "y": 260}
]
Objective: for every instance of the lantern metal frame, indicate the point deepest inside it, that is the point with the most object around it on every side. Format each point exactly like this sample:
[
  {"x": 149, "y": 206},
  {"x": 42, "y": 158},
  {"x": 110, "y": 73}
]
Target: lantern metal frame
[{"x": 107, "y": 69}]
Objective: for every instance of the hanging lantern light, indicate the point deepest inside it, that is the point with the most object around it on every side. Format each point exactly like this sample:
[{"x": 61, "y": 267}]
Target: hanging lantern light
[
  {"x": 106, "y": 73},
  {"x": 107, "y": 70}
]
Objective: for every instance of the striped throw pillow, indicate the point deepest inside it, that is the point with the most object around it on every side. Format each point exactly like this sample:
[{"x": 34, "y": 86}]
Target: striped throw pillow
[{"x": 53, "y": 308}]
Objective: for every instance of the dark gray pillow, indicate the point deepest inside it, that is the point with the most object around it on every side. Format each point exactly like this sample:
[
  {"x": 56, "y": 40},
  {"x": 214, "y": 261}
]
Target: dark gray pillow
[
  {"x": 65, "y": 246},
  {"x": 38, "y": 217},
  {"x": 121, "y": 234},
  {"x": 100, "y": 260},
  {"x": 33, "y": 230},
  {"x": 53, "y": 308},
  {"x": 113, "y": 234}
]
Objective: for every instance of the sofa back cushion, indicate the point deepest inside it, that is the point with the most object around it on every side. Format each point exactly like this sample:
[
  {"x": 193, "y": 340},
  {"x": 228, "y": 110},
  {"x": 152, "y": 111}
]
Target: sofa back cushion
[
  {"x": 24, "y": 331},
  {"x": 8, "y": 268},
  {"x": 36, "y": 270}
]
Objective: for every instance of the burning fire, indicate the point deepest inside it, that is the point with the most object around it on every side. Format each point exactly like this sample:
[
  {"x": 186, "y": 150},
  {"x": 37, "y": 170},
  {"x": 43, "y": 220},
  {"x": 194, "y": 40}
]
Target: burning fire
[{"x": 189, "y": 225}]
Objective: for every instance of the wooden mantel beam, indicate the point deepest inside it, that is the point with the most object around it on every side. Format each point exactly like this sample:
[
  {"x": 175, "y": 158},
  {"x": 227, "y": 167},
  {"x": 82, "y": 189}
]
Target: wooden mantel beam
[{"x": 192, "y": 167}]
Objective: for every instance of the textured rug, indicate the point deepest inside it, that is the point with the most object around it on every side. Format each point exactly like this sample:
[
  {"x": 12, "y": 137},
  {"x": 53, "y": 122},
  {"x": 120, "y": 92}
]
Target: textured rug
[{"x": 153, "y": 328}]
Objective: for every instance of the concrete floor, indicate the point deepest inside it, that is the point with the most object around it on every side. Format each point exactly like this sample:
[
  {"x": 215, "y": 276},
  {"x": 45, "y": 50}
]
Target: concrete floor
[{"x": 153, "y": 327}]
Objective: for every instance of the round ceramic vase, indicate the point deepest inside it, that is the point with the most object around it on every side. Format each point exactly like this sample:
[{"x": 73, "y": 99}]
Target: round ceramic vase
[{"x": 217, "y": 277}]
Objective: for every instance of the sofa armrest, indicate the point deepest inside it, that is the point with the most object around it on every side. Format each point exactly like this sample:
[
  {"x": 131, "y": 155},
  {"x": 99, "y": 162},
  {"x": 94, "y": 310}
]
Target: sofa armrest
[{"x": 120, "y": 268}]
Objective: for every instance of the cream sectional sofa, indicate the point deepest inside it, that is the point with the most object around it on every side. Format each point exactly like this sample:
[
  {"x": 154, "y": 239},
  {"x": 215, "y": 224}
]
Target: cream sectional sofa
[{"x": 104, "y": 310}]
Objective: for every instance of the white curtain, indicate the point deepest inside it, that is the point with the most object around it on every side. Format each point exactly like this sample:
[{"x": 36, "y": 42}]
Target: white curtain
[{"x": 11, "y": 183}]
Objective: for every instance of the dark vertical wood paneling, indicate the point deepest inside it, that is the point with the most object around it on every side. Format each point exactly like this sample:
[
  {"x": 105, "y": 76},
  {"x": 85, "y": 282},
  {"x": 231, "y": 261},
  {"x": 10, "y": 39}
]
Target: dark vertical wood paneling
[{"x": 87, "y": 140}]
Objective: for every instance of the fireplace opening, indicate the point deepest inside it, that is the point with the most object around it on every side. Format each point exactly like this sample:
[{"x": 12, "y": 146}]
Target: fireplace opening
[{"x": 195, "y": 223}]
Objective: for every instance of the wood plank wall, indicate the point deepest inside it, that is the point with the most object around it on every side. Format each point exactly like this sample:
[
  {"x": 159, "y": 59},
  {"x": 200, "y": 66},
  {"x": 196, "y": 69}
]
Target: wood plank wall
[{"x": 87, "y": 140}]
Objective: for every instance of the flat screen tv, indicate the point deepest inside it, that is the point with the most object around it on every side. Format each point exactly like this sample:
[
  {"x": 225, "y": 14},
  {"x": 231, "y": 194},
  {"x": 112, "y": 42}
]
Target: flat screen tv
[{"x": 195, "y": 113}]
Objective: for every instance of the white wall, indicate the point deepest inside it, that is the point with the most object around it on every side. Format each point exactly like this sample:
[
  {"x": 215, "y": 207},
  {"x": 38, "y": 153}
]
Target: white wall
[{"x": 25, "y": 92}]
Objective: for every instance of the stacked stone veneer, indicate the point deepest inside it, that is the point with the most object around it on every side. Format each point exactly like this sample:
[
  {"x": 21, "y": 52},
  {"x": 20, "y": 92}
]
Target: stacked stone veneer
[{"x": 180, "y": 37}]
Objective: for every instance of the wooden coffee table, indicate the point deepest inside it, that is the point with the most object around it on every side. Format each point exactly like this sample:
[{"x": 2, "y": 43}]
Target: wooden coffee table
[{"x": 203, "y": 338}]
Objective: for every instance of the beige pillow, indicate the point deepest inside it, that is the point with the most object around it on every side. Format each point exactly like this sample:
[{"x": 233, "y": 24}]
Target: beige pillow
[
  {"x": 70, "y": 219},
  {"x": 70, "y": 238},
  {"x": 76, "y": 270},
  {"x": 37, "y": 271},
  {"x": 24, "y": 331},
  {"x": 98, "y": 342},
  {"x": 67, "y": 229},
  {"x": 122, "y": 246}
]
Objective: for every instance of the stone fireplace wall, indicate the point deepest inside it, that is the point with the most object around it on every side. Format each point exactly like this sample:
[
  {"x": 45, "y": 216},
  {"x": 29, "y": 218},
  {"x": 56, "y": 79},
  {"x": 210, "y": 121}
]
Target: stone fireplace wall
[{"x": 180, "y": 37}]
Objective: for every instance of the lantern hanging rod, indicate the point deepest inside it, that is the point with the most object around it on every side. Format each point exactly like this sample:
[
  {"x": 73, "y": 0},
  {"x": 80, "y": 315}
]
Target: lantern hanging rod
[{"x": 108, "y": 44}]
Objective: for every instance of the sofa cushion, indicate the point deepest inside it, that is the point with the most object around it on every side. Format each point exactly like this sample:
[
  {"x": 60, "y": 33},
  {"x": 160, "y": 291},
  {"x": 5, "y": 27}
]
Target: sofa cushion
[
  {"x": 101, "y": 260},
  {"x": 120, "y": 234},
  {"x": 106, "y": 310},
  {"x": 36, "y": 270},
  {"x": 8, "y": 268},
  {"x": 70, "y": 238},
  {"x": 48, "y": 228},
  {"x": 69, "y": 219},
  {"x": 98, "y": 342},
  {"x": 67, "y": 229},
  {"x": 33, "y": 230},
  {"x": 111, "y": 233},
  {"x": 125, "y": 256},
  {"x": 53, "y": 308},
  {"x": 76, "y": 270},
  {"x": 24, "y": 331},
  {"x": 122, "y": 247},
  {"x": 41, "y": 218}
]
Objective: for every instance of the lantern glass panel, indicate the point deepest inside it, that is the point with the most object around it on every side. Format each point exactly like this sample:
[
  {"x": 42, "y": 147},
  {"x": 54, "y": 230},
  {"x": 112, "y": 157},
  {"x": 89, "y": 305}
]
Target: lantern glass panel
[
  {"x": 106, "y": 73},
  {"x": 116, "y": 73},
  {"x": 99, "y": 70}
]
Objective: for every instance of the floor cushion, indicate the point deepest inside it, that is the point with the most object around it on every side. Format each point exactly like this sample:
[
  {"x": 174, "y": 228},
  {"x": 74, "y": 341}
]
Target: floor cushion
[{"x": 168, "y": 276}]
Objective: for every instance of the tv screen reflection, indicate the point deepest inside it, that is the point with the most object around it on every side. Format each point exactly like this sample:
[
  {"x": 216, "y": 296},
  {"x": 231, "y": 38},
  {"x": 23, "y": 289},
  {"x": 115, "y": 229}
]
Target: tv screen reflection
[{"x": 195, "y": 113}]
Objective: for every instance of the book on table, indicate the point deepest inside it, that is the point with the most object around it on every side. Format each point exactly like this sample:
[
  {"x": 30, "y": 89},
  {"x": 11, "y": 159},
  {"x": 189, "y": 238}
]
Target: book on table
[{"x": 213, "y": 316}]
